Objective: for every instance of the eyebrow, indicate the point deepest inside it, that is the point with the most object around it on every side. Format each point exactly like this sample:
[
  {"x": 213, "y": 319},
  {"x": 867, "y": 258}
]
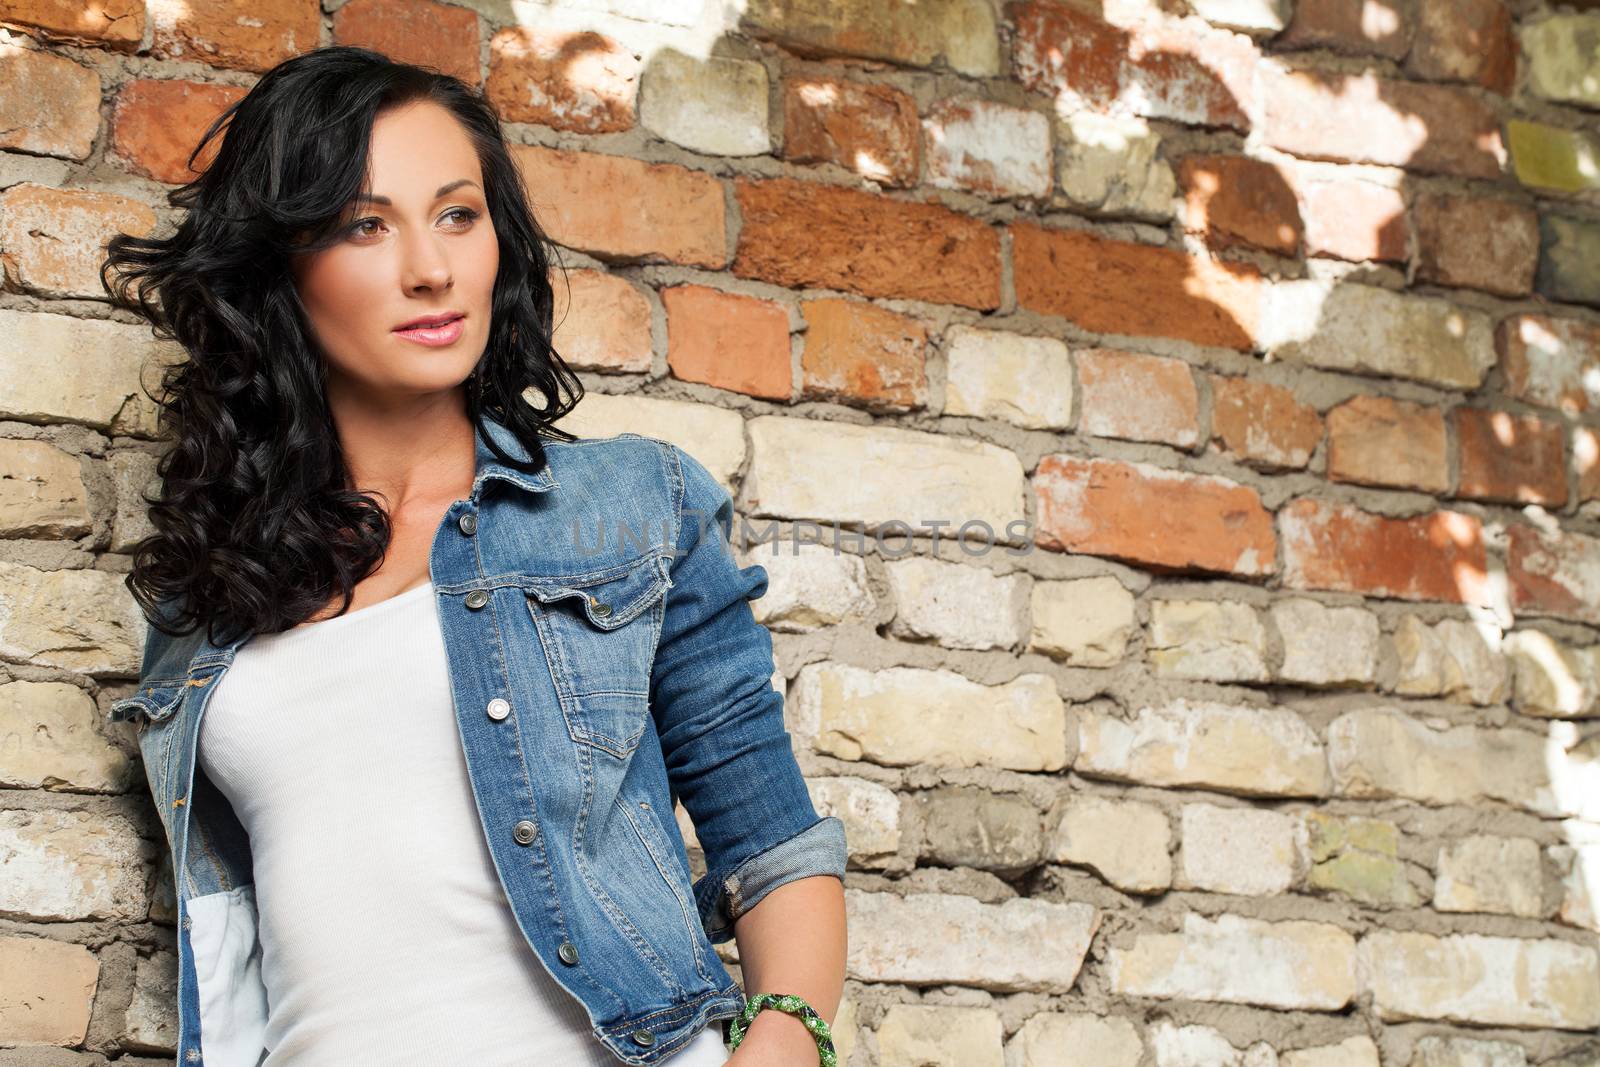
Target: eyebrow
[{"x": 443, "y": 189}]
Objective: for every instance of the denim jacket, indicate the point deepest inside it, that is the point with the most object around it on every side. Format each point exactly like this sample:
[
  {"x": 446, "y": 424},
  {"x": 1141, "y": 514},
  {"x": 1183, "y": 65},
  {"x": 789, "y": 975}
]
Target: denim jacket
[{"x": 604, "y": 665}]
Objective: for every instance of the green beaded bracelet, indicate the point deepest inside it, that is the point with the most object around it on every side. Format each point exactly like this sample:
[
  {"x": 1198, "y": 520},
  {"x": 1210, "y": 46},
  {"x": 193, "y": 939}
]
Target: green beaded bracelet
[{"x": 794, "y": 1005}]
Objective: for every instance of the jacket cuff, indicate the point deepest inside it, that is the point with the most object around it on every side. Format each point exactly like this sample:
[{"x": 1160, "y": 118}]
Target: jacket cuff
[{"x": 723, "y": 896}]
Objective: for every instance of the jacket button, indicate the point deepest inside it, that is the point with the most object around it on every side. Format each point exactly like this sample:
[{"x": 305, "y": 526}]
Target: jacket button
[
  {"x": 193, "y": 1055},
  {"x": 477, "y": 599},
  {"x": 524, "y": 832},
  {"x": 568, "y": 953},
  {"x": 499, "y": 708},
  {"x": 600, "y": 610},
  {"x": 643, "y": 1037},
  {"x": 468, "y": 523}
]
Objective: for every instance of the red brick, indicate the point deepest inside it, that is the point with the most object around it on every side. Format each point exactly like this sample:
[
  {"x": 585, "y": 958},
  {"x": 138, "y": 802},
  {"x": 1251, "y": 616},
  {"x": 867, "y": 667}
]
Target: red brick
[
  {"x": 656, "y": 212},
  {"x": 1358, "y": 27},
  {"x": 1236, "y": 200},
  {"x": 1550, "y": 361},
  {"x": 1586, "y": 462},
  {"x": 861, "y": 354},
  {"x": 1349, "y": 218},
  {"x": 1478, "y": 242},
  {"x": 51, "y": 105},
  {"x": 581, "y": 81},
  {"x": 1362, "y": 119},
  {"x": 801, "y": 234},
  {"x": 1376, "y": 440},
  {"x": 52, "y": 241},
  {"x": 117, "y": 23},
  {"x": 1163, "y": 519},
  {"x": 1465, "y": 40},
  {"x": 739, "y": 343},
  {"x": 1167, "y": 70},
  {"x": 604, "y": 324},
  {"x": 1118, "y": 287},
  {"x": 869, "y": 129},
  {"x": 156, "y": 124},
  {"x": 1137, "y": 397},
  {"x": 414, "y": 31},
  {"x": 1517, "y": 459},
  {"x": 1261, "y": 424},
  {"x": 1437, "y": 555},
  {"x": 253, "y": 35},
  {"x": 1554, "y": 573}
]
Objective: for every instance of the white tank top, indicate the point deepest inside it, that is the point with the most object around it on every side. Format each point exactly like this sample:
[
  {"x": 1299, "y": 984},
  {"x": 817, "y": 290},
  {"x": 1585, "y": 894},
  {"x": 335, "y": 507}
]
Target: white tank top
[{"x": 385, "y": 934}]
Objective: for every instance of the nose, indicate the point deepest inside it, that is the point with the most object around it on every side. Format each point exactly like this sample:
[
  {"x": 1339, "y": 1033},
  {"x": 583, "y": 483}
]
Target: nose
[{"x": 425, "y": 266}]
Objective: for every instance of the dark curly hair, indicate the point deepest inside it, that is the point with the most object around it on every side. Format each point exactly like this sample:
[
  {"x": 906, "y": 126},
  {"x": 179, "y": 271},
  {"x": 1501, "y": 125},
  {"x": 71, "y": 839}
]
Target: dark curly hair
[{"x": 256, "y": 524}]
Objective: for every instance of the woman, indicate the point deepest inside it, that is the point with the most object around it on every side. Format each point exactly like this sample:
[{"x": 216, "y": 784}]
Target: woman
[{"x": 426, "y": 676}]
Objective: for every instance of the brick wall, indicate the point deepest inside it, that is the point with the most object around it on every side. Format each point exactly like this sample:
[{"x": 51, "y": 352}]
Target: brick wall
[{"x": 1271, "y": 327}]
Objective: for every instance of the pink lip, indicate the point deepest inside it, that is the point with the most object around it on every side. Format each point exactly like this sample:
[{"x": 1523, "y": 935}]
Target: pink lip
[{"x": 445, "y": 333}]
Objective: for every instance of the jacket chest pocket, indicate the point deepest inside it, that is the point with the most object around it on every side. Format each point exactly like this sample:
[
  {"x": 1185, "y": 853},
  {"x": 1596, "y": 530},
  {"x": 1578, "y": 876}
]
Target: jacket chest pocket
[
  {"x": 599, "y": 633},
  {"x": 153, "y": 709}
]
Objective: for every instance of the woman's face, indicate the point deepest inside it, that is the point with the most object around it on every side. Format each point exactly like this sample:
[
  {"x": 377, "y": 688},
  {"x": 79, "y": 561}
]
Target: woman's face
[{"x": 419, "y": 245}]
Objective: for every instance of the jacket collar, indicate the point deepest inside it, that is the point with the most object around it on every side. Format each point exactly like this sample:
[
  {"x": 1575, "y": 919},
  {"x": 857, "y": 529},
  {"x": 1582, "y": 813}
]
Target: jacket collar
[{"x": 488, "y": 466}]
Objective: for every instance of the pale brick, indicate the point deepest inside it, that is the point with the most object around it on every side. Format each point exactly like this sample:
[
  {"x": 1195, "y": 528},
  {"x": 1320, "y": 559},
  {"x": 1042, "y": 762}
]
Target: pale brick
[
  {"x": 905, "y": 475},
  {"x": 1362, "y": 328},
  {"x": 64, "y": 866},
  {"x": 993, "y": 374},
  {"x": 1563, "y": 57},
  {"x": 930, "y": 1035},
  {"x": 134, "y": 475},
  {"x": 58, "y": 368},
  {"x": 1067, "y": 1039},
  {"x": 41, "y": 491},
  {"x": 83, "y": 620},
  {"x": 52, "y": 241},
  {"x": 48, "y": 737},
  {"x": 1376, "y": 752},
  {"x": 52, "y": 104},
  {"x": 1085, "y": 622},
  {"x": 1111, "y": 165},
  {"x": 1126, "y": 842},
  {"x": 152, "y": 1017},
  {"x": 903, "y": 716},
  {"x": 1577, "y": 863},
  {"x": 1436, "y": 1051},
  {"x": 870, "y": 812},
  {"x": 713, "y": 104},
  {"x": 1358, "y": 858},
  {"x": 602, "y": 323},
  {"x": 1487, "y": 873},
  {"x": 1553, "y": 679},
  {"x": 1138, "y": 397},
  {"x": 810, "y": 587},
  {"x": 1325, "y": 646},
  {"x": 961, "y": 33},
  {"x": 935, "y": 938},
  {"x": 1212, "y": 640},
  {"x": 1247, "y": 851},
  {"x": 1569, "y": 259},
  {"x": 1545, "y": 156},
  {"x": 1301, "y": 965},
  {"x": 987, "y": 148},
  {"x": 1357, "y": 1051},
  {"x": 1233, "y": 749},
  {"x": 46, "y": 991},
  {"x": 969, "y": 827},
  {"x": 1203, "y": 1046},
  {"x": 713, "y": 435},
  {"x": 1485, "y": 981},
  {"x": 1264, "y": 16},
  {"x": 956, "y": 605},
  {"x": 1452, "y": 658}
]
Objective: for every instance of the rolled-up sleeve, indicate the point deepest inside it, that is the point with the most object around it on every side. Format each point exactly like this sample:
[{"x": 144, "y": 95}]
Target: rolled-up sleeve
[{"x": 720, "y": 721}]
